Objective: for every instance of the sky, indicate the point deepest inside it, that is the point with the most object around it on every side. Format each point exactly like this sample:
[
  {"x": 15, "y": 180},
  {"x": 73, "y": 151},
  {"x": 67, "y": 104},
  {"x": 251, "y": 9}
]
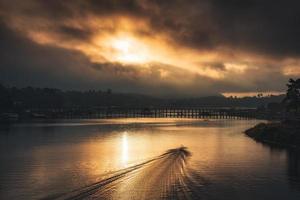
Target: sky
[{"x": 180, "y": 48}]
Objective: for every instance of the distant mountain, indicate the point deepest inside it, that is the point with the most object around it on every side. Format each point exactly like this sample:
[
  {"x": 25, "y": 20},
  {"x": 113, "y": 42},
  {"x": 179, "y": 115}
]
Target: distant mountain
[
  {"x": 41, "y": 98},
  {"x": 221, "y": 101}
]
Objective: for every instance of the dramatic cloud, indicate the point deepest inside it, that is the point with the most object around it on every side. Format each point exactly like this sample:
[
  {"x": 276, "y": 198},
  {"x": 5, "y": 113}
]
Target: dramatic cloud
[{"x": 169, "y": 47}]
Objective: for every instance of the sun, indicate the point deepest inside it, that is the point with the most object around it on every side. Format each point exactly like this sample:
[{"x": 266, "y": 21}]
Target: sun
[
  {"x": 129, "y": 50},
  {"x": 122, "y": 45}
]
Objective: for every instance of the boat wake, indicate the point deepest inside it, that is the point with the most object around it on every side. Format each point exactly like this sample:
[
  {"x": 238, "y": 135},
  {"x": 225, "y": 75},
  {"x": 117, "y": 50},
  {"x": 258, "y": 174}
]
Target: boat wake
[{"x": 163, "y": 177}]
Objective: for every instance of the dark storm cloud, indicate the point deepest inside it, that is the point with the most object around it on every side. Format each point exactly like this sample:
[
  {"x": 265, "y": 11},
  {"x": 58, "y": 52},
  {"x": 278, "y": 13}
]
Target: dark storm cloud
[
  {"x": 25, "y": 63},
  {"x": 58, "y": 9},
  {"x": 269, "y": 27},
  {"x": 77, "y": 33}
]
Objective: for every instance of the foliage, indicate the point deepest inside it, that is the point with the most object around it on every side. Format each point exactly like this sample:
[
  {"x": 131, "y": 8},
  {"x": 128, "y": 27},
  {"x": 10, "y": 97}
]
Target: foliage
[
  {"x": 292, "y": 99},
  {"x": 5, "y": 99}
]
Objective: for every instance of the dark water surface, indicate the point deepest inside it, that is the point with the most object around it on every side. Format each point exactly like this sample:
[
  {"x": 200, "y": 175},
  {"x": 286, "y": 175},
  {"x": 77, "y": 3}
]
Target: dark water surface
[{"x": 127, "y": 159}]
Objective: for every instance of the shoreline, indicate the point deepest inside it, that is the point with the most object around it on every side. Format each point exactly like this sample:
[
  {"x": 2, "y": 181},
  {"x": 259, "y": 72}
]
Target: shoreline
[{"x": 281, "y": 134}]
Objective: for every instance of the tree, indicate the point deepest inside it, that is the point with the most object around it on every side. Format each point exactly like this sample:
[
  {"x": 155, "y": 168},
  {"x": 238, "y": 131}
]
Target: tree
[
  {"x": 5, "y": 99},
  {"x": 292, "y": 98}
]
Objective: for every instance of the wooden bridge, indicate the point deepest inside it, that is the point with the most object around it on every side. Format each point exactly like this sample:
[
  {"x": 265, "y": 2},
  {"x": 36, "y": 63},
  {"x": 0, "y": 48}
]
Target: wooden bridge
[{"x": 118, "y": 112}]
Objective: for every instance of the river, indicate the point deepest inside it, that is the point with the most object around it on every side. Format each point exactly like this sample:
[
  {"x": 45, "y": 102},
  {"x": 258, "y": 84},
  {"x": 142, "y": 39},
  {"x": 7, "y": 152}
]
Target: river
[{"x": 140, "y": 159}]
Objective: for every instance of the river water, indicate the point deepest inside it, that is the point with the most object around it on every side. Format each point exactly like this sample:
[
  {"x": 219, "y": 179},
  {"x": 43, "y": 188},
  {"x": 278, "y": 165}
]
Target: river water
[{"x": 127, "y": 159}]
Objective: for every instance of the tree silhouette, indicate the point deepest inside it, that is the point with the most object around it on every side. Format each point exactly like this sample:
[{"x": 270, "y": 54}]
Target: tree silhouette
[
  {"x": 5, "y": 99},
  {"x": 292, "y": 98}
]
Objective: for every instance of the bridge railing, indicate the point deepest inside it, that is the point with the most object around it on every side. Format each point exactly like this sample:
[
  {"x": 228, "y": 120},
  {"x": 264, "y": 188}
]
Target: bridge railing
[{"x": 115, "y": 112}]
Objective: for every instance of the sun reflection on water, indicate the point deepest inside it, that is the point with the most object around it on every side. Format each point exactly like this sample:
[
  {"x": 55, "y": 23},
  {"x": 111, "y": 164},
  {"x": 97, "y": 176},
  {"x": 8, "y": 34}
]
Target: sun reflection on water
[{"x": 124, "y": 149}]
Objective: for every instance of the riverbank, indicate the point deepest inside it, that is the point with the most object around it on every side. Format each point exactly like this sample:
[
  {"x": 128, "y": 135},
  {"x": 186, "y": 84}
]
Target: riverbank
[{"x": 276, "y": 133}]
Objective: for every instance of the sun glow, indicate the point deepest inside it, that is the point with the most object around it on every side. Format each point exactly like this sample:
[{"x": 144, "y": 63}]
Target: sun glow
[{"x": 129, "y": 50}]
